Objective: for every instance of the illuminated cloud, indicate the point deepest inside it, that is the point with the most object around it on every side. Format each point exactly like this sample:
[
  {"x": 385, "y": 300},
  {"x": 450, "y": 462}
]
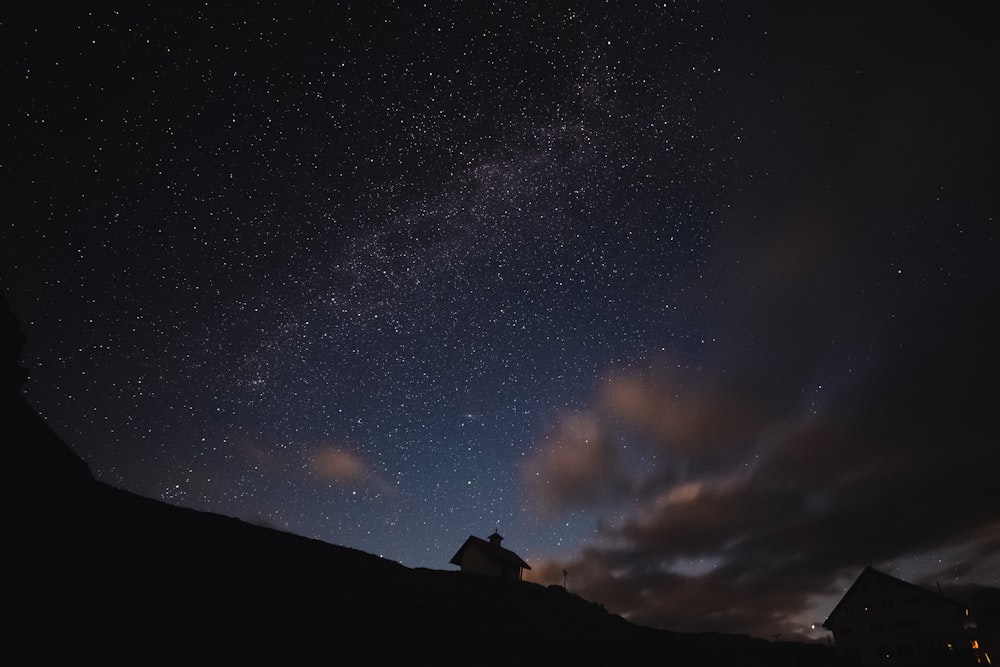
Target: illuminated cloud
[
  {"x": 340, "y": 466},
  {"x": 676, "y": 411},
  {"x": 574, "y": 465}
]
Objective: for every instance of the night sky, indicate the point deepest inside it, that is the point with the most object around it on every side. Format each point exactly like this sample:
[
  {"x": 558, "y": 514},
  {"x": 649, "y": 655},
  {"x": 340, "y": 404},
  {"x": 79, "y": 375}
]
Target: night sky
[{"x": 697, "y": 303}]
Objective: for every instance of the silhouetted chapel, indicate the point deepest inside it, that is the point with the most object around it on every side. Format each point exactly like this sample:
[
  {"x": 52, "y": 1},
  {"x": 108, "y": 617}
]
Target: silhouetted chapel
[{"x": 489, "y": 558}]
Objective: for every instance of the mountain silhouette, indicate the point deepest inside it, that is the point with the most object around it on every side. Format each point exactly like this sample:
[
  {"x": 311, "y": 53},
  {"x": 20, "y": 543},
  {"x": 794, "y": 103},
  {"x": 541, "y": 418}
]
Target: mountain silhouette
[{"x": 102, "y": 573}]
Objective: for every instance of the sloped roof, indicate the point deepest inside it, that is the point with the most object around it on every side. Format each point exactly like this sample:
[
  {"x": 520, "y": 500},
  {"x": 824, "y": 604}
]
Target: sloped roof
[
  {"x": 493, "y": 551},
  {"x": 871, "y": 574}
]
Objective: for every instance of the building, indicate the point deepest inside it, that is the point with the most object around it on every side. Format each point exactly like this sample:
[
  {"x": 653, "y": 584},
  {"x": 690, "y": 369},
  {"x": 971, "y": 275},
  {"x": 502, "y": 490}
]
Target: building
[
  {"x": 884, "y": 620},
  {"x": 478, "y": 555}
]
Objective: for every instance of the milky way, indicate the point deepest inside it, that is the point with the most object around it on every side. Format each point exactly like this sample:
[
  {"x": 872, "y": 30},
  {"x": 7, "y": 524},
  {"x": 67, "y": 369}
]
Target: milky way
[
  {"x": 407, "y": 235},
  {"x": 390, "y": 276}
]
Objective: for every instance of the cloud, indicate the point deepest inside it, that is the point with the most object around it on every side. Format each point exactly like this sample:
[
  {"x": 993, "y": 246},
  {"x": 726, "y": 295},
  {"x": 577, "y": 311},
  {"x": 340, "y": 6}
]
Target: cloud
[
  {"x": 675, "y": 411},
  {"x": 751, "y": 548},
  {"x": 340, "y": 466},
  {"x": 574, "y": 465}
]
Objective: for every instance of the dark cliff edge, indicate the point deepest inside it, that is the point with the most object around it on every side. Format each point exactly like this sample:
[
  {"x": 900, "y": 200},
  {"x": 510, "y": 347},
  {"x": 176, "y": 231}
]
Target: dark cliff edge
[{"x": 101, "y": 573}]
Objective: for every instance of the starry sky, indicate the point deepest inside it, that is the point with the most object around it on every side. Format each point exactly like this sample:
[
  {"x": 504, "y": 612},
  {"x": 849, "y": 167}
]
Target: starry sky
[{"x": 694, "y": 302}]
